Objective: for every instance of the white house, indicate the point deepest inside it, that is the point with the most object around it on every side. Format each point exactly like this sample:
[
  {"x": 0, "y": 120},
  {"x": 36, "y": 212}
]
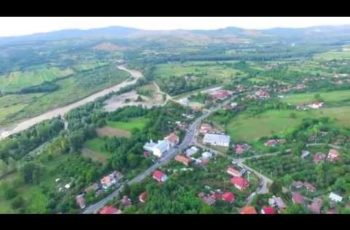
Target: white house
[
  {"x": 315, "y": 105},
  {"x": 216, "y": 139},
  {"x": 335, "y": 197},
  {"x": 207, "y": 155},
  {"x": 158, "y": 149},
  {"x": 189, "y": 152}
]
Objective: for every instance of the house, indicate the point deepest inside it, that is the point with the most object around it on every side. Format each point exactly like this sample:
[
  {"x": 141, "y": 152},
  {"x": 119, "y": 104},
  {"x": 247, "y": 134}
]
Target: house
[
  {"x": 248, "y": 210},
  {"x": 216, "y": 139},
  {"x": 205, "y": 128},
  {"x": 319, "y": 157},
  {"x": 126, "y": 201},
  {"x": 110, "y": 179},
  {"x": 333, "y": 155},
  {"x": 207, "y": 155},
  {"x": 220, "y": 94},
  {"x": 109, "y": 210},
  {"x": 182, "y": 159},
  {"x": 228, "y": 197},
  {"x": 309, "y": 187},
  {"x": 158, "y": 149},
  {"x": 315, "y": 206},
  {"x": 262, "y": 94},
  {"x": 159, "y": 176},
  {"x": 271, "y": 142},
  {"x": 184, "y": 101},
  {"x": 80, "y": 201},
  {"x": 240, "y": 183},
  {"x": 143, "y": 197},
  {"x": 241, "y": 148},
  {"x": 297, "y": 198},
  {"x": 304, "y": 154},
  {"x": 210, "y": 200},
  {"x": 173, "y": 139},
  {"x": 297, "y": 184},
  {"x": 335, "y": 197},
  {"x": 268, "y": 210},
  {"x": 315, "y": 105},
  {"x": 277, "y": 202},
  {"x": 233, "y": 172},
  {"x": 193, "y": 150}
]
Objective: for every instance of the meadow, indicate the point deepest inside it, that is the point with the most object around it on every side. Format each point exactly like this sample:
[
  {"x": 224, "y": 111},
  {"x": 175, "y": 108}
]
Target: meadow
[
  {"x": 136, "y": 123},
  {"x": 328, "y": 97}
]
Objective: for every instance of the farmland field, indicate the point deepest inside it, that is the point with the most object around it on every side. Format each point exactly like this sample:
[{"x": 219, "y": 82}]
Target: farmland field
[
  {"x": 97, "y": 145},
  {"x": 137, "y": 123},
  {"x": 177, "y": 78},
  {"x": 333, "y": 96},
  {"x": 248, "y": 128},
  {"x": 112, "y": 132},
  {"x": 15, "y": 81},
  {"x": 340, "y": 55}
]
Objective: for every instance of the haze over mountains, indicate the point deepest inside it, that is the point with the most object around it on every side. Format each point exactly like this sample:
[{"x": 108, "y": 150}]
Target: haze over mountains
[{"x": 126, "y": 32}]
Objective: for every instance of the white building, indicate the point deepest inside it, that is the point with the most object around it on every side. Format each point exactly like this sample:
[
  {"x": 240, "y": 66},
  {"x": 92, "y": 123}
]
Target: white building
[
  {"x": 207, "y": 155},
  {"x": 158, "y": 149},
  {"x": 193, "y": 150},
  {"x": 335, "y": 197},
  {"x": 217, "y": 139}
]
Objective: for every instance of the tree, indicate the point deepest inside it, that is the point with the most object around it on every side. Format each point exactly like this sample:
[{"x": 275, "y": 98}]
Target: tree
[
  {"x": 18, "y": 202},
  {"x": 10, "y": 192},
  {"x": 31, "y": 173},
  {"x": 276, "y": 187},
  {"x": 295, "y": 209}
]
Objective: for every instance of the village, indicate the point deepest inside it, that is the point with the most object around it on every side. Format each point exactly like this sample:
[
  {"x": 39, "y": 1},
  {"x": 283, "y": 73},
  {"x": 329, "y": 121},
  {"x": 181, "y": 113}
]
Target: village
[{"x": 212, "y": 144}]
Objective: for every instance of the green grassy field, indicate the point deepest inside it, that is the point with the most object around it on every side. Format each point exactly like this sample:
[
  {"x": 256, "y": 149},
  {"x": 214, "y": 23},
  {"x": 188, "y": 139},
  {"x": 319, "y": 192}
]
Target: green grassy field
[
  {"x": 15, "y": 81},
  {"x": 247, "y": 128},
  {"x": 97, "y": 145},
  {"x": 136, "y": 123},
  {"x": 333, "y": 55},
  {"x": 333, "y": 96},
  {"x": 195, "y": 68}
]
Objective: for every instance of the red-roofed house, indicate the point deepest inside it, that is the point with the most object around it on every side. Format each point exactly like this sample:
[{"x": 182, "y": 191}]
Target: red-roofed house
[
  {"x": 228, "y": 197},
  {"x": 319, "y": 157},
  {"x": 333, "y": 155},
  {"x": 268, "y": 210},
  {"x": 297, "y": 198},
  {"x": 220, "y": 94},
  {"x": 233, "y": 172},
  {"x": 172, "y": 138},
  {"x": 240, "y": 183},
  {"x": 241, "y": 148},
  {"x": 143, "y": 197},
  {"x": 182, "y": 159},
  {"x": 248, "y": 210},
  {"x": 271, "y": 142},
  {"x": 205, "y": 128},
  {"x": 159, "y": 176},
  {"x": 126, "y": 201},
  {"x": 315, "y": 206},
  {"x": 309, "y": 187},
  {"x": 109, "y": 210}
]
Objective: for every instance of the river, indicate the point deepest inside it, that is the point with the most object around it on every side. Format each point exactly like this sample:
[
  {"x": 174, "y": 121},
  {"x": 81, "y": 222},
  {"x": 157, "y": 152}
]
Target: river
[{"x": 25, "y": 124}]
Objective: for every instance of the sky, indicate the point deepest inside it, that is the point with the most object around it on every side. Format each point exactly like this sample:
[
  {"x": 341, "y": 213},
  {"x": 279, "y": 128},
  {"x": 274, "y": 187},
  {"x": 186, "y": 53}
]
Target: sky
[{"x": 13, "y": 26}]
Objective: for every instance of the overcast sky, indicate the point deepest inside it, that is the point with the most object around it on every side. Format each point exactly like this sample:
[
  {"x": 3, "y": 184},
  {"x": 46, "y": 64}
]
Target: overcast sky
[{"x": 10, "y": 26}]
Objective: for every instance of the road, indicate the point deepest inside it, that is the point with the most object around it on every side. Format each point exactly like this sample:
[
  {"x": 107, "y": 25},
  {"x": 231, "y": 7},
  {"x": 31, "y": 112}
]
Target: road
[
  {"x": 61, "y": 111},
  {"x": 188, "y": 140}
]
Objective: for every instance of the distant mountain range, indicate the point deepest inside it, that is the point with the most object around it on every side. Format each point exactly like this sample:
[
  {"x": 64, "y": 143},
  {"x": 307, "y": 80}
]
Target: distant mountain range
[{"x": 124, "y": 32}]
